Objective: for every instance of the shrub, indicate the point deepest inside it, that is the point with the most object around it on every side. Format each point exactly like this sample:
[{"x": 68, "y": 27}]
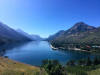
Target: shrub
[{"x": 52, "y": 67}]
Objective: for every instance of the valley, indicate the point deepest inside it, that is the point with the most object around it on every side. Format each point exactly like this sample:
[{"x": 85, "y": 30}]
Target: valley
[{"x": 33, "y": 55}]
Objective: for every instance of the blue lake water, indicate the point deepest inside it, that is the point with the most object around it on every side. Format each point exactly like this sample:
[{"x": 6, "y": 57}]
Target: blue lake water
[{"x": 34, "y": 52}]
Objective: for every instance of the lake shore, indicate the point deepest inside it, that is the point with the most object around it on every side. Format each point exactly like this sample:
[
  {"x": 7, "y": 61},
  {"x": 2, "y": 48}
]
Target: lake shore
[{"x": 74, "y": 49}]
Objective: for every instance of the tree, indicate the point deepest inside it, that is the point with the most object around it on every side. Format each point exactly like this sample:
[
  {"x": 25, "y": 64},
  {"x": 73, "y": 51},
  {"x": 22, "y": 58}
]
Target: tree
[
  {"x": 53, "y": 67},
  {"x": 71, "y": 63},
  {"x": 88, "y": 62},
  {"x": 96, "y": 61},
  {"x": 81, "y": 62}
]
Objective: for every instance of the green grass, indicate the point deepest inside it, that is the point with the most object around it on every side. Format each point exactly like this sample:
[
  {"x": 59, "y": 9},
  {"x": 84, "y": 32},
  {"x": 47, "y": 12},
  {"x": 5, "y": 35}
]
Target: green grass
[
  {"x": 94, "y": 72},
  {"x": 83, "y": 70}
]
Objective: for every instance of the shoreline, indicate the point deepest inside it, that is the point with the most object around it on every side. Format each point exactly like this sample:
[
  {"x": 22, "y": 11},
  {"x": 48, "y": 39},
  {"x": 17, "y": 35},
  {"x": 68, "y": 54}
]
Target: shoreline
[
  {"x": 73, "y": 49},
  {"x": 53, "y": 47}
]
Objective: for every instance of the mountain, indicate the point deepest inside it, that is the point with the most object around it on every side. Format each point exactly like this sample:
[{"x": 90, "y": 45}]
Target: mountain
[
  {"x": 55, "y": 35},
  {"x": 32, "y": 37},
  {"x": 25, "y": 34},
  {"x": 37, "y": 37},
  {"x": 8, "y": 34},
  {"x": 80, "y": 33},
  {"x": 79, "y": 27}
]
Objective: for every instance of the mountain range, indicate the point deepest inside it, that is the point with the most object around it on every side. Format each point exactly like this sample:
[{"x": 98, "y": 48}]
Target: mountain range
[
  {"x": 31, "y": 36},
  {"x": 8, "y": 34},
  {"x": 80, "y": 33}
]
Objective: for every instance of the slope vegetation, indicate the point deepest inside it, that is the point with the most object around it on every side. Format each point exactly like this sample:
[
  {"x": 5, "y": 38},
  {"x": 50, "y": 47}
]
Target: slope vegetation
[{"x": 9, "y": 67}]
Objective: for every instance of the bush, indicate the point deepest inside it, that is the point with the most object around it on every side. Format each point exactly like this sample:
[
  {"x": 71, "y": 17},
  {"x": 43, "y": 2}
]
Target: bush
[
  {"x": 71, "y": 63},
  {"x": 81, "y": 62},
  {"x": 88, "y": 62},
  {"x": 96, "y": 61},
  {"x": 52, "y": 67},
  {"x": 76, "y": 70}
]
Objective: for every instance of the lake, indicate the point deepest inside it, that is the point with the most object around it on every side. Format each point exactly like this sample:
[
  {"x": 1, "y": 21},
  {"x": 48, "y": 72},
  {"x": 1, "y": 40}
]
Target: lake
[{"x": 34, "y": 52}]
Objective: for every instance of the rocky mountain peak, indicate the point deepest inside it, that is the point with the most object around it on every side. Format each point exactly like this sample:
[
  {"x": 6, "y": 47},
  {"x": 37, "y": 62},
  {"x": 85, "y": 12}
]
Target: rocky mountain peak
[{"x": 80, "y": 27}]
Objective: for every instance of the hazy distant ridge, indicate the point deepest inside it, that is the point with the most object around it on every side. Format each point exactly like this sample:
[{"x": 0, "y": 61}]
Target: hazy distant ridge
[
  {"x": 8, "y": 34},
  {"x": 31, "y": 36}
]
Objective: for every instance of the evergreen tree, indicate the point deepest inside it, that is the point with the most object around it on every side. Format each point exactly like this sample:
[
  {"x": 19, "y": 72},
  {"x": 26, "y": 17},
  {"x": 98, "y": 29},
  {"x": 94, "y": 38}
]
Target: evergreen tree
[
  {"x": 96, "y": 61},
  {"x": 81, "y": 62},
  {"x": 71, "y": 63},
  {"x": 88, "y": 62},
  {"x": 53, "y": 67}
]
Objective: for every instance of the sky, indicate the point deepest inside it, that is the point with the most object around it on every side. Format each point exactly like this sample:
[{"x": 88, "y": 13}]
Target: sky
[{"x": 46, "y": 17}]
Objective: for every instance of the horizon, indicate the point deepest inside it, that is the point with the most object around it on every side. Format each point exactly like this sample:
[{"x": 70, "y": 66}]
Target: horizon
[
  {"x": 51, "y": 34},
  {"x": 44, "y": 17}
]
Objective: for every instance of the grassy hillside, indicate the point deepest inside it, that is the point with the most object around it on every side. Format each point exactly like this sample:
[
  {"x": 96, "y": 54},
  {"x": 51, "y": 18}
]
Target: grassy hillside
[
  {"x": 80, "y": 36},
  {"x": 79, "y": 70},
  {"x": 91, "y": 37},
  {"x": 94, "y": 72},
  {"x": 9, "y": 67}
]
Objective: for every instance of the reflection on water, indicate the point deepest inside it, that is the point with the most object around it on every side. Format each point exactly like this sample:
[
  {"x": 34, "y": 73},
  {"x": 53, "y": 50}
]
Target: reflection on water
[
  {"x": 34, "y": 52},
  {"x": 5, "y": 47}
]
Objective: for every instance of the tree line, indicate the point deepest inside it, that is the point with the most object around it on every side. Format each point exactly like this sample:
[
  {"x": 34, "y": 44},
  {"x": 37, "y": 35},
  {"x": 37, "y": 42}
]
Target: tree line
[{"x": 53, "y": 67}]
